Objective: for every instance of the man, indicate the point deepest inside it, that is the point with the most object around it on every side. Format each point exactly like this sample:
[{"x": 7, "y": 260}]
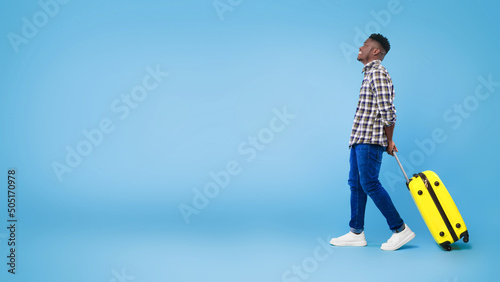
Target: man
[{"x": 371, "y": 135}]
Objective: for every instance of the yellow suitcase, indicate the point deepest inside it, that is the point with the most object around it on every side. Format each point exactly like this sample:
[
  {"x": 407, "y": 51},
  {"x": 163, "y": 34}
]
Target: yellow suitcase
[{"x": 437, "y": 208}]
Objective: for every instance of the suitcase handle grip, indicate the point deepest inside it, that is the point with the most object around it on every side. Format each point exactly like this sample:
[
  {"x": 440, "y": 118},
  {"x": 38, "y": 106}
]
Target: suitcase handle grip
[{"x": 400, "y": 166}]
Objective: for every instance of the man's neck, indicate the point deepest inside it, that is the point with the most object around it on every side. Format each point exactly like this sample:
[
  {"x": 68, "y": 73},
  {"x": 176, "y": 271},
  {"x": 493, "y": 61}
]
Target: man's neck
[{"x": 371, "y": 60}]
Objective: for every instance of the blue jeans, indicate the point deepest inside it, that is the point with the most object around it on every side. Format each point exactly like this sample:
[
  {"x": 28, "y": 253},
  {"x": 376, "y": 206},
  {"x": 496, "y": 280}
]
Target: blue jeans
[{"x": 365, "y": 161}]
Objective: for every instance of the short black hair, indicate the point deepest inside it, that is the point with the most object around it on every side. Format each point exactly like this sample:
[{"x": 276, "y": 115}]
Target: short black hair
[{"x": 382, "y": 40}]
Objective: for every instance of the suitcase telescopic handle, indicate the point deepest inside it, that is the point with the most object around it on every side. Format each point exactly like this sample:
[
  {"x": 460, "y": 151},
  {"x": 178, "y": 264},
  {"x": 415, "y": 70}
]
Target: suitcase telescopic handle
[{"x": 400, "y": 166}]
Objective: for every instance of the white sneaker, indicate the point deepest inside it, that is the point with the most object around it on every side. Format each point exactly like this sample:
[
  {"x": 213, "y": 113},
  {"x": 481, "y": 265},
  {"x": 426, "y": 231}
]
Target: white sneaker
[
  {"x": 350, "y": 239},
  {"x": 397, "y": 240}
]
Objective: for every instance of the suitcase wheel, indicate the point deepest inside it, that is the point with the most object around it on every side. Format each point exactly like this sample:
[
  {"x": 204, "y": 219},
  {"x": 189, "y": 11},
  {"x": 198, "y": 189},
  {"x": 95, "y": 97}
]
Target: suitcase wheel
[
  {"x": 465, "y": 235},
  {"x": 446, "y": 247}
]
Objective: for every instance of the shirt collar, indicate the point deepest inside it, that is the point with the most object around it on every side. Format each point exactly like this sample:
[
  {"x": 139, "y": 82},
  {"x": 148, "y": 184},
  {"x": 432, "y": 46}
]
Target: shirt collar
[{"x": 371, "y": 65}]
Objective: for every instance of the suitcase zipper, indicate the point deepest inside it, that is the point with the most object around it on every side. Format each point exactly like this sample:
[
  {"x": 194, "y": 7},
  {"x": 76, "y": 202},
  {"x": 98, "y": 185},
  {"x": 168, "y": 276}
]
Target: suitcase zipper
[{"x": 439, "y": 207}]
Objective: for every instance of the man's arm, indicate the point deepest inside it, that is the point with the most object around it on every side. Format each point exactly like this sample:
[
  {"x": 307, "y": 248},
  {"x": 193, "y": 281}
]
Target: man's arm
[
  {"x": 391, "y": 146},
  {"x": 384, "y": 95}
]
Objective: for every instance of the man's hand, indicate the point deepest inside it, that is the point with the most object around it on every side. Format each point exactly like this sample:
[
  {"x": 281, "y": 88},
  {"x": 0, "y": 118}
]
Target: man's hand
[
  {"x": 389, "y": 130},
  {"x": 391, "y": 147}
]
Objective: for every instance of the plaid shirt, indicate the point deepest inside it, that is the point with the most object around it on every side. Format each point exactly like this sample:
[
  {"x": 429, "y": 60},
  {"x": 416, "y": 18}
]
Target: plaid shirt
[{"x": 375, "y": 107}]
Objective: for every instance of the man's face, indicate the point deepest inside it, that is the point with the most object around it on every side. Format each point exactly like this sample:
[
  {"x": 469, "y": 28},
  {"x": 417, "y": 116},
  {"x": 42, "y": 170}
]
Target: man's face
[{"x": 364, "y": 51}]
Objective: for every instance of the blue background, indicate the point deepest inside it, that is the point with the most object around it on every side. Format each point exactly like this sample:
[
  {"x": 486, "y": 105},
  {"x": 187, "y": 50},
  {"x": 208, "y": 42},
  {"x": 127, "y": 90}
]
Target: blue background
[{"x": 116, "y": 216}]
